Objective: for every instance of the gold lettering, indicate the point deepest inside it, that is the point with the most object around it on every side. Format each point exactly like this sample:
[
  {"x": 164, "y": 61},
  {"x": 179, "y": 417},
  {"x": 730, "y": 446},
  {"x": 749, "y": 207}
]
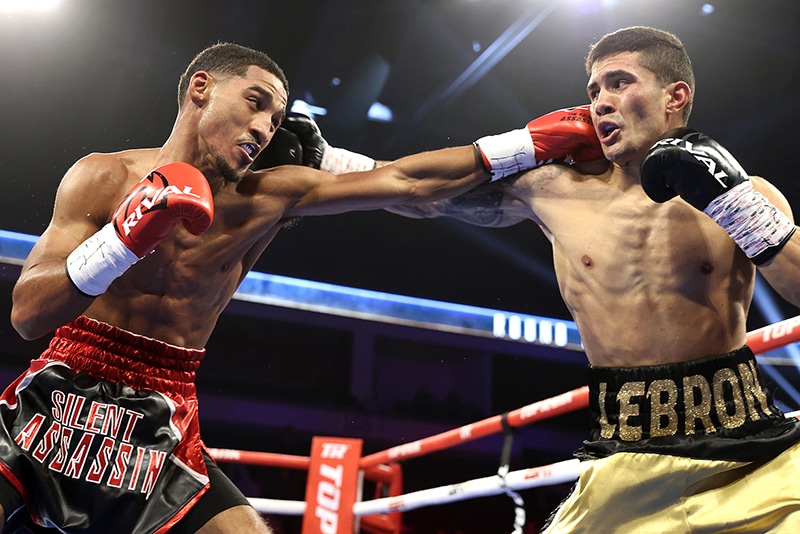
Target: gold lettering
[
  {"x": 697, "y": 408},
  {"x": 666, "y": 409},
  {"x": 628, "y": 410},
  {"x": 606, "y": 429},
  {"x": 753, "y": 390},
  {"x": 737, "y": 418}
]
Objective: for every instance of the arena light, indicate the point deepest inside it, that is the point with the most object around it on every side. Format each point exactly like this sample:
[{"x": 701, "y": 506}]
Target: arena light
[
  {"x": 310, "y": 110},
  {"x": 380, "y": 113},
  {"x": 28, "y": 6},
  {"x": 585, "y": 7}
]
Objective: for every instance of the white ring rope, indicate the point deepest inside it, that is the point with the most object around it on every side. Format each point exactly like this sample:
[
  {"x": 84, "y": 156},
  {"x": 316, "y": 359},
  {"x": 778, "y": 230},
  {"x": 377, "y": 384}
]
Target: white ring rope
[
  {"x": 761, "y": 340},
  {"x": 548, "y": 475}
]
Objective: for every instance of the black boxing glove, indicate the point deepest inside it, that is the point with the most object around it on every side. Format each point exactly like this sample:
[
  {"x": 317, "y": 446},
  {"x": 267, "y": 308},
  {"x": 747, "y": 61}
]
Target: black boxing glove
[
  {"x": 284, "y": 148},
  {"x": 318, "y": 153},
  {"x": 308, "y": 135},
  {"x": 690, "y": 164}
]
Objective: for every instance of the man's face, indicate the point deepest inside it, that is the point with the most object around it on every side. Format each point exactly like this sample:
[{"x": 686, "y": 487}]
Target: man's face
[
  {"x": 628, "y": 107},
  {"x": 241, "y": 117}
]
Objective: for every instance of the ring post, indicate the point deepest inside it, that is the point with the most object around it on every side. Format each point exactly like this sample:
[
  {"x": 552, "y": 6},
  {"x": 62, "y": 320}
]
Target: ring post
[{"x": 334, "y": 485}]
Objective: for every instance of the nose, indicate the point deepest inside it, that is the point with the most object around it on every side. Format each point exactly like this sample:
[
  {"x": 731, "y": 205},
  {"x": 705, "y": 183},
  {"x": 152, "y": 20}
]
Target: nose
[
  {"x": 602, "y": 105},
  {"x": 262, "y": 131}
]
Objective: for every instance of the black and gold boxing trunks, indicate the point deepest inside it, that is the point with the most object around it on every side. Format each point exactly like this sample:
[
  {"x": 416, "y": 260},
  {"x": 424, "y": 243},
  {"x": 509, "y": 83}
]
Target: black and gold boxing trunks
[
  {"x": 101, "y": 433},
  {"x": 690, "y": 447}
]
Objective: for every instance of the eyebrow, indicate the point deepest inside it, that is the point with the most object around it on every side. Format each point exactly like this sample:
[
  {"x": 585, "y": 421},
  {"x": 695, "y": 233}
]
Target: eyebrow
[
  {"x": 607, "y": 75},
  {"x": 260, "y": 90},
  {"x": 265, "y": 93}
]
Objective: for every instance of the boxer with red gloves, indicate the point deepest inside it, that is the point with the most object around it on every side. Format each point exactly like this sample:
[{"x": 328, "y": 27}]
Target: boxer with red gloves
[
  {"x": 131, "y": 276},
  {"x": 170, "y": 194}
]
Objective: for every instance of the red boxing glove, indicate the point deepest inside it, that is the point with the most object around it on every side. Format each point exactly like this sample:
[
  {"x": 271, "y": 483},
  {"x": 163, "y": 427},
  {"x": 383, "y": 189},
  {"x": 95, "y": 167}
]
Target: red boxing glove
[
  {"x": 564, "y": 133},
  {"x": 171, "y": 193}
]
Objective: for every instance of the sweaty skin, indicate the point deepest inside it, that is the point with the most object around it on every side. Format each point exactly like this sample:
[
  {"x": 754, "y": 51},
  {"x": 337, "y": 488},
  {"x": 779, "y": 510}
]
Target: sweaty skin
[
  {"x": 177, "y": 293},
  {"x": 646, "y": 283}
]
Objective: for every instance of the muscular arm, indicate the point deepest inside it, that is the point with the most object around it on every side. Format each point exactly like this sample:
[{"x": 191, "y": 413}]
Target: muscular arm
[
  {"x": 441, "y": 174},
  {"x": 489, "y": 205},
  {"x": 502, "y": 203},
  {"x": 505, "y": 202},
  {"x": 412, "y": 180},
  {"x": 43, "y": 297},
  {"x": 783, "y": 271}
]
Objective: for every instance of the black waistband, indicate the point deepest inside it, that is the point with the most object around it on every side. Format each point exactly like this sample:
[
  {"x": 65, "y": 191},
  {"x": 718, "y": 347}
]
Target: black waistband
[
  {"x": 652, "y": 407},
  {"x": 722, "y": 394}
]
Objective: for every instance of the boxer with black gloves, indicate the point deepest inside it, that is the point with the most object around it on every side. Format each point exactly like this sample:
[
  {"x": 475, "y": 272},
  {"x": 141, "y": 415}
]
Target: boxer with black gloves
[{"x": 685, "y": 435}]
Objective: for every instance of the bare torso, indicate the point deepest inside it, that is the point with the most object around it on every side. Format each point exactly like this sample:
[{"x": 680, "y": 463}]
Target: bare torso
[
  {"x": 646, "y": 283},
  {"x": 176, "y": 293}
]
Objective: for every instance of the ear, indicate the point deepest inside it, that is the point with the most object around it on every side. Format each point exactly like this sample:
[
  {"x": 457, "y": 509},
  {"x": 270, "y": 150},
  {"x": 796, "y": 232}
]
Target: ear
[
  {"x": 679, "y": 96},
  {"x": 199, "y": 88}
]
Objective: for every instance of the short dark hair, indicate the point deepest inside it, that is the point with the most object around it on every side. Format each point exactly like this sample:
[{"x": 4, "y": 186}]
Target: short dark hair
[
  {"x": 228, "y": 59},
  {"x": 662, "y": 53}
]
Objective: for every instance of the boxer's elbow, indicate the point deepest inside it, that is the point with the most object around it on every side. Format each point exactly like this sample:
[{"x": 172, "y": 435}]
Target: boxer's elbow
[
  {"x": 28, "y": 316},
  {"x": 25, "y": 324}
]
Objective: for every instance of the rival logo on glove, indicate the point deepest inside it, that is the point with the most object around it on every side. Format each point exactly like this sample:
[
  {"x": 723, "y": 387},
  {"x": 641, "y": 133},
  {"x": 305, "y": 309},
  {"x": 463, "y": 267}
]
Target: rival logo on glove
[
  {"x": 701, "y": 156},
  {"x": 156, "y": 200}
]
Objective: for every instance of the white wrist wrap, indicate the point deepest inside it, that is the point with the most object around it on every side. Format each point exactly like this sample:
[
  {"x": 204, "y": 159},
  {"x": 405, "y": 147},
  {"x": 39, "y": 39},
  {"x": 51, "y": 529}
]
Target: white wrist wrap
[
  {"x": 98, "y": 261},
  {"x": 754, "y": 223},
  {"x": 340, "y": 161},
  {"x": 508, "y": 153}
]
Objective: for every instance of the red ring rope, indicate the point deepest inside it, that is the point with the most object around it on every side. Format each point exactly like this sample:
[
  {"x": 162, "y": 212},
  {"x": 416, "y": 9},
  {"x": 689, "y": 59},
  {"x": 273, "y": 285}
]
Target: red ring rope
[{"x": 761, "y": 340}]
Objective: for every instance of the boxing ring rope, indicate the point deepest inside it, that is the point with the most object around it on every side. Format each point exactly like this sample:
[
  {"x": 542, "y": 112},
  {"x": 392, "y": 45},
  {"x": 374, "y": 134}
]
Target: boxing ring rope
[
  {"x": 381, "y": 466},
  {"x": 774, "y": 336},
  {"x": 566, "y": 402}
]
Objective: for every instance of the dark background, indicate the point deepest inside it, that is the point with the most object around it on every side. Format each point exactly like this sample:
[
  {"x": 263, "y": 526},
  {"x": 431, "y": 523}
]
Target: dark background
[
  {"x": 102, "y": 76},
  {"x": 97, "y": 76}
]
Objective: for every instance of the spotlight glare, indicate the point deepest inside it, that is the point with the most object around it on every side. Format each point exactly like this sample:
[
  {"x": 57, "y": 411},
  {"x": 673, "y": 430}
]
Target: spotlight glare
[
  {"x": 27, "y": 6},
  {"x": 310, "y": 110},
  {"x": 380, "y": 113},
  {"x": 707, "y": 9}
]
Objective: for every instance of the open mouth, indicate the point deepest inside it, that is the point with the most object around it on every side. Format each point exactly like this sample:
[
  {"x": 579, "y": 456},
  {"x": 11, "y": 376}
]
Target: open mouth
[
  {"x": 250, "y": 148},
  {"x": 606, "y": 131}
]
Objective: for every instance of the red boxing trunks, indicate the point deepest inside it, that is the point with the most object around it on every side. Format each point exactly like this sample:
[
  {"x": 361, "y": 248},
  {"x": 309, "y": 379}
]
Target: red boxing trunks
[{"x": 101, "y": 433}]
